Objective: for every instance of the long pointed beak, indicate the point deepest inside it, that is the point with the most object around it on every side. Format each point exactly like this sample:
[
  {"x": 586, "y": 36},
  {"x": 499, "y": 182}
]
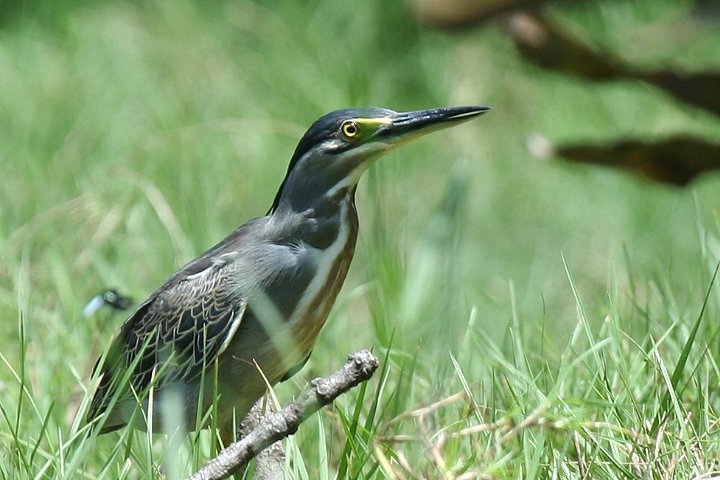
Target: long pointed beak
[{"x": 406, "y": 125}]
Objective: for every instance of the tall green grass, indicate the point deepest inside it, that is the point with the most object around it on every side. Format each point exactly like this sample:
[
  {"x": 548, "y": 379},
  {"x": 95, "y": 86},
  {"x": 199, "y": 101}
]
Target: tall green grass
[{"x": 534, "y": 319}]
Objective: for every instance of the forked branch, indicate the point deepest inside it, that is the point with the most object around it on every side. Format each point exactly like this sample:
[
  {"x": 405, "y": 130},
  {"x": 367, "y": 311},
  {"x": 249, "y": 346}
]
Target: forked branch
[{"x": 276, "y": 426}]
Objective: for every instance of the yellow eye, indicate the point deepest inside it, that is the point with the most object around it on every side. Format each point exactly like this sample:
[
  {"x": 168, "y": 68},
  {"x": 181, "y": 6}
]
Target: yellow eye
[{"x": 350, "y": 129}]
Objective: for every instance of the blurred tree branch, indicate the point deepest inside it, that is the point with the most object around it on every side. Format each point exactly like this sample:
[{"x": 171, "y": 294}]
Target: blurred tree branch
[
  {"x": 545, "y": 43},
  {"x": 676, "y": 160}
]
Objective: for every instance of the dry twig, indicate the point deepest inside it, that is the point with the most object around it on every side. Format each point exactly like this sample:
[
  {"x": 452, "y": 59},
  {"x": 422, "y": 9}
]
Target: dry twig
[
  {"x": 270, "y": 463},
  {"x": 359, "y": 368}
]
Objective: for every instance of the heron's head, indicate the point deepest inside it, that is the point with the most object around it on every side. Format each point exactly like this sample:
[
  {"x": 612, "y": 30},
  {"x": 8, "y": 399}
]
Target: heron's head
[{"x": 337, "y": 148}]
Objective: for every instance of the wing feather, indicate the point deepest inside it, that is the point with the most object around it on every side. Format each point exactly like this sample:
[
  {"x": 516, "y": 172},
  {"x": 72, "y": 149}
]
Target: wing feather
[{"x": 183, "y": 327}]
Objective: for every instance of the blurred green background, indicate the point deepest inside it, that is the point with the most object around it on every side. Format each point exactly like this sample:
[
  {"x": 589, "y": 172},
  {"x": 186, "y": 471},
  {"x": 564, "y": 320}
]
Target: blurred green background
[{"x": 135, "y": 135}]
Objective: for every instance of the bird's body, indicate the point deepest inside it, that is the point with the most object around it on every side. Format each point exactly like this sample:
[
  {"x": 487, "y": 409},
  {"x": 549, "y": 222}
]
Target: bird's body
[{"x": 250, "y": 309}]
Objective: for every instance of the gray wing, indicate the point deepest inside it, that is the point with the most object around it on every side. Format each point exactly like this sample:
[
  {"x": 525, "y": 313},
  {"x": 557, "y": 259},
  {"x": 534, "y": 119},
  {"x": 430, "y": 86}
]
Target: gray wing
[{"x": 182, "y": 328}]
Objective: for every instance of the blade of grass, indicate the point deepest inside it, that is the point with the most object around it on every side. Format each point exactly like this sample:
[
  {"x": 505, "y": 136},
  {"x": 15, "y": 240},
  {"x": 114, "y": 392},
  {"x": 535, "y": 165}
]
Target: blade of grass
[{"x": 664, "y": 408}]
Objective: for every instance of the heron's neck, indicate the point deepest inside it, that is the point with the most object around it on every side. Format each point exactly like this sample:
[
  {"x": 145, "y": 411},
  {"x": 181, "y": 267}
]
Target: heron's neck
[{"x": 318, "y": 223}]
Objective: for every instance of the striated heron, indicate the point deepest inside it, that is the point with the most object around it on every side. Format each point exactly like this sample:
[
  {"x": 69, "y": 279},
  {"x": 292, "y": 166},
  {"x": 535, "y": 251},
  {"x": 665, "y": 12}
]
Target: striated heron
[{"x": 247, "y": 312}]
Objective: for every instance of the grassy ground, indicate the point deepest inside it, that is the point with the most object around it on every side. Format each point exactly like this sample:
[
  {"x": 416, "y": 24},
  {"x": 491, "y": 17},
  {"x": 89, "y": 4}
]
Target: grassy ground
[{"x": 535, "y": 319}]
